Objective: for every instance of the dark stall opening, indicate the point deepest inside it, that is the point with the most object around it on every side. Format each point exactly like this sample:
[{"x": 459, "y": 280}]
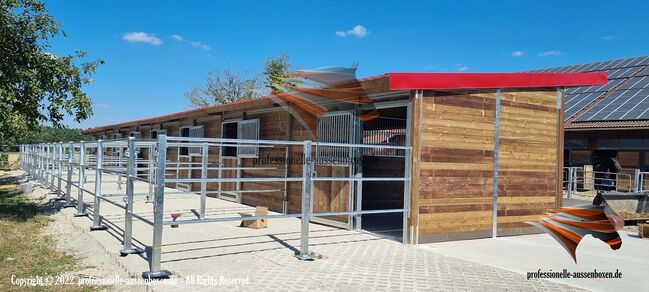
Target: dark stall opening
[{"x": 388, "y": 129}]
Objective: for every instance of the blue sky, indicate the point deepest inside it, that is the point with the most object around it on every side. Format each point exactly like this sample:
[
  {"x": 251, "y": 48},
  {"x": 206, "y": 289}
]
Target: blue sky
[{"x": 157, "y": 50}]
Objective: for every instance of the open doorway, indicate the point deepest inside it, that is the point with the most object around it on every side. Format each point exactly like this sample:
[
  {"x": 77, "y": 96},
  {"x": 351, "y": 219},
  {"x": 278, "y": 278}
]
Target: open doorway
[{"x": 389, "y": 129}]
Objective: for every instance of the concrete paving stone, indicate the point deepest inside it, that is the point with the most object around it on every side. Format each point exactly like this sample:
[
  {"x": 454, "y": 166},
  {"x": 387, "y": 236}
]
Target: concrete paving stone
[{"x": 353, "y": 261}]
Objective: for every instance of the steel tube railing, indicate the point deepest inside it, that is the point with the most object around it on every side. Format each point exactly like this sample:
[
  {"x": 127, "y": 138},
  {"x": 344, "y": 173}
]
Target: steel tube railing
[{"x": 72, "y": 163}]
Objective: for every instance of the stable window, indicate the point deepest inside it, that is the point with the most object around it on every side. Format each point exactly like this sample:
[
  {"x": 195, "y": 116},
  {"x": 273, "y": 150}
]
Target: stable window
[
  {"x": 335, "y": 128},
  {"x": 135, "y": 134},
  {"x": 194, "y": 132},
  {"x": 155, "y": 133},
  {"x": 244, "y": 129},
  {"x": 117, "y": 136},
  {"x": 248, "y": 130}
]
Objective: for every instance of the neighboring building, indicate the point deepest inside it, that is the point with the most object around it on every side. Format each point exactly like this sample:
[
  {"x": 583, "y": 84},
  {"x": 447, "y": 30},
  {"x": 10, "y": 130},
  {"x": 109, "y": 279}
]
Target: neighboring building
[
  {"x": 448, "y": 119},
  {"x": 610, "y": 120}
]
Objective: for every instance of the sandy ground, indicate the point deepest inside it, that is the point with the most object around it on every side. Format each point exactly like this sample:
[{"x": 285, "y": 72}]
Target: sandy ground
[{"x": 92, "y": 262}]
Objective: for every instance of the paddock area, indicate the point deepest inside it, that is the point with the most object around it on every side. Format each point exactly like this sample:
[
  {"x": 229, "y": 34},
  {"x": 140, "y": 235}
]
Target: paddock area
[{"x": 347, "y": 260}]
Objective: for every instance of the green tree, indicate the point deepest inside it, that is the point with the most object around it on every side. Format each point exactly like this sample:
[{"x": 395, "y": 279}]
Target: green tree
[
  {"x": 224, "y": 87},
  {"x": 277, "y": 72},
  {"x": 36, "y": 85},
  {"x": 44, "y": 134}
]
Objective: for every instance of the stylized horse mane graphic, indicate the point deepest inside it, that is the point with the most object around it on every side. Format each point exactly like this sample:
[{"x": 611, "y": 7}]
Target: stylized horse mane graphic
[
  {"x": 569, "y": 225},
  {"x": 310, "y": 94}
]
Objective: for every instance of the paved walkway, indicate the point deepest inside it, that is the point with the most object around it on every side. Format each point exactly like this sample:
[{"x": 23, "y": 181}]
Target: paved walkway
[{"x": 351, "y": 261}]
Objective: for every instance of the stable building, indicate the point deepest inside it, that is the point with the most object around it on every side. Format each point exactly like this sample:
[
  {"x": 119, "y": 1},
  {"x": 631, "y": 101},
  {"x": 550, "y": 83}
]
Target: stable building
[
  {"x": 610, "y": 120},
  {"x": 466, "y": 131}
]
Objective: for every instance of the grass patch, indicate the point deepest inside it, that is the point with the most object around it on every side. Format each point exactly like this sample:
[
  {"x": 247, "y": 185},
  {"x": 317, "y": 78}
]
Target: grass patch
[{"x": 24, "y": 250}]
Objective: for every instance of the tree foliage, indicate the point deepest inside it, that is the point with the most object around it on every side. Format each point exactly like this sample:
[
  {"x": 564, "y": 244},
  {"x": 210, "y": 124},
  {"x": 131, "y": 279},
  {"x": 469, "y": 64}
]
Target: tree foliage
[
  {"x": 36, "y": 85},
  {"x": 224, "y": 86},
  {"x": 227, "y": 86},
  {"x": 43, "y": 134},
  {"x": 277, "y": 71}
]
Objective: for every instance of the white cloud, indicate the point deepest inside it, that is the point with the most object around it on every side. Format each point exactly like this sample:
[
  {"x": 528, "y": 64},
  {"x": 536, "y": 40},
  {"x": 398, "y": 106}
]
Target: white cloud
[
  {"x": 608, "y": 37},
  {"x": 430, "y": 67},
  {"x": 142, "y": 37},
  {"x": 551, "y": 53},
  {"x": 358, "y": 31},
  {"x": 461, "y": 68},
  {"x": 517, "y": 53},
  {"x": 200, "y": 45},
  {"x": 195, "y": 44}
]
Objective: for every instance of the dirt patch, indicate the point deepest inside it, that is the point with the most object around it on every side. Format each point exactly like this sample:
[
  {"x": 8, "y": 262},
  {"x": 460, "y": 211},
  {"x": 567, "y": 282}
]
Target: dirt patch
[
  {"x": 633, "y": 215},
  {"x": 37, "y": 240}
]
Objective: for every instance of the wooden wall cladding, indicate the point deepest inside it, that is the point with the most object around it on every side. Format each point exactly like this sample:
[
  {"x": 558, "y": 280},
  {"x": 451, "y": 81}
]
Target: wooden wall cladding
[
  {"x": 456, "y": 152},
  {"x": 455, "y": 163},
  {"x": 529, "y": 158}
]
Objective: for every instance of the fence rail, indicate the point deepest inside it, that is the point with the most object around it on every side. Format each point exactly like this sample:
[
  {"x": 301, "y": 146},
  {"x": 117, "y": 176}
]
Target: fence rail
[
  {"x": 579, "y": 178},
  {"x": 73, "y": 165}
]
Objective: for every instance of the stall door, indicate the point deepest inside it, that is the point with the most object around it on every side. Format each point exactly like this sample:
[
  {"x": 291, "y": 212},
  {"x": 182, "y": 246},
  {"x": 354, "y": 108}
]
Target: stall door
[{"x": 334, "y": 161}]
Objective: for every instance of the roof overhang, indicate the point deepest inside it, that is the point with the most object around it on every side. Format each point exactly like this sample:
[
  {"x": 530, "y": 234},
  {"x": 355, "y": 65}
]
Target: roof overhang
[{"x": 411, "y": 81}]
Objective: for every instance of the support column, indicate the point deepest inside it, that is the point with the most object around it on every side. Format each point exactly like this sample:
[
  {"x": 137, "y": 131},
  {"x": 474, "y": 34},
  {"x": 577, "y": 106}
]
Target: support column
[
  {"x": 154, "y": 252},
  {"x": 307, "y": 172},
  {"x": 82, "y": 172},
  {"x": 127, "y": 245},
  {"x": 96, "y": 218},
  {"x": 494, "y": 216}
]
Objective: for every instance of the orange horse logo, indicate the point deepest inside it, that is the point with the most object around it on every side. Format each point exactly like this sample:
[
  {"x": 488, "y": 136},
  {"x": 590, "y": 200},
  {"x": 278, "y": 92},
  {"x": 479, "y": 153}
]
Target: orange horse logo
[{"x": 569, "y": 225}]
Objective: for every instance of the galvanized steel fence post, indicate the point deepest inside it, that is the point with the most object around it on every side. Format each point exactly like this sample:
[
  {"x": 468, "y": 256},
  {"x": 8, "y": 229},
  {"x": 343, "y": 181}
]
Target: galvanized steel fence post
[
  {"x": 46, "y": 165},
  {"x": 53, "y": 165},
  {"x": 204, "y": 161},
  {"x": 119, "y": 166},
  {"x": 127, "y": 247},
  {"x": 569, "y": 187},
  {"x": 40, "y": 163},
  {"x": 154, "y": 252},
  {"x": 60, "y": 170},
  {"x": 638, "y": 181},
  {"x": 96, "y": 221},
  {"x": 307, "y": 172},
  {"x": 494, "y": 217},
  {"x": 82, "y": 164},
  {"x": 68, "y": 187},
  {"x": 150, "y": 162},
  {"x": 406, "y": 196}
]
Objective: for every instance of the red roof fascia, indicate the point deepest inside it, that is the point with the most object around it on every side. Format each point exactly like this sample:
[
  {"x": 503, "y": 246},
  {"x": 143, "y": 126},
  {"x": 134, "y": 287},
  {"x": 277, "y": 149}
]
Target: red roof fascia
[{"x": 408, "y": 81}]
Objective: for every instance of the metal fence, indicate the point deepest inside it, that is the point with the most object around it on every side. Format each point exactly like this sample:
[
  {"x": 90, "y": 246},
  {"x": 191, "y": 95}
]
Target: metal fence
[
  {"x": 67, "y": 166},
  {"x": 579, "y": 179},
  {"x": 642, "y": 179}
]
